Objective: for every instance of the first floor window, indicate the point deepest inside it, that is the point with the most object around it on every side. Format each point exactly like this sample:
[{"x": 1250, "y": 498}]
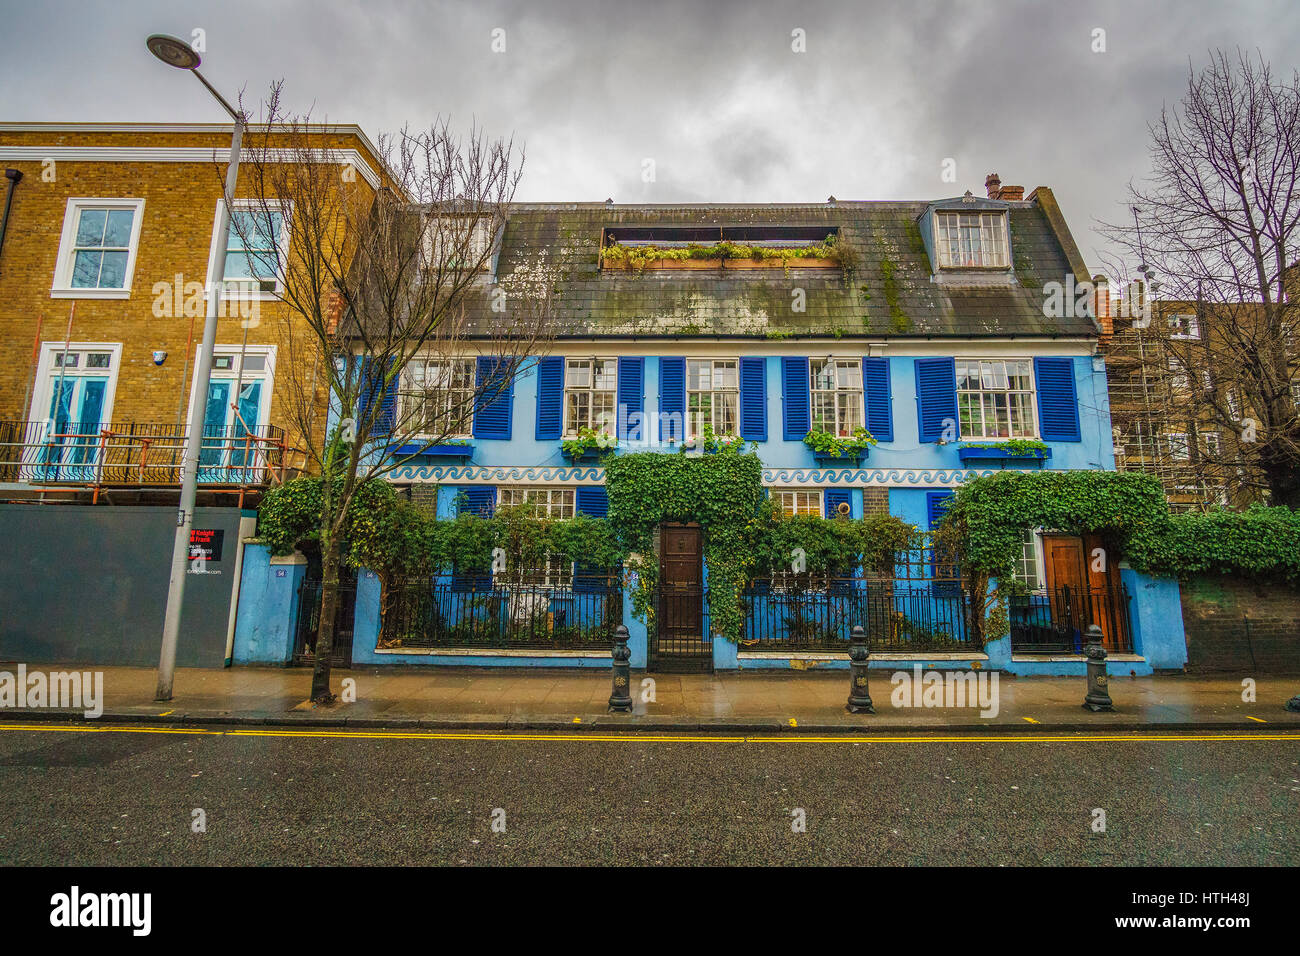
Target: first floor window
[
  {"x": 437, "y": 397},
  {"x": 1176, "y": 446},
  {"x": 254, "y": 247},
  {"x": 995, "y": 398},
  {"x": 1210, "y": 444},
  {"x": 546, "y": 502},
  {"x": 99, "y": 242},
  {"x": 712, "y": 396},
  {"x": 796, "y": 503},
  {"x": 590, "y": 395},
  {"x": 836, "y": 392}
]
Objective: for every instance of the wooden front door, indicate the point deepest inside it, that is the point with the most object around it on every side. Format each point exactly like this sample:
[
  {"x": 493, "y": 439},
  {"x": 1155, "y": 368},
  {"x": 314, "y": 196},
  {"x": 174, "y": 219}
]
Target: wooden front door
[
  {"x": 1083, "y": 586},
  {"x": 680, "y": 634}
]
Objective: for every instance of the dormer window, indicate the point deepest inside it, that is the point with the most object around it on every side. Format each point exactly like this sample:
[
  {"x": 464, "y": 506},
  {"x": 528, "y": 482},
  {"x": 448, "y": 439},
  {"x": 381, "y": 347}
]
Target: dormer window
[
  {"x": 459, "y": 242},
  {"x": 971, "y": 240}
]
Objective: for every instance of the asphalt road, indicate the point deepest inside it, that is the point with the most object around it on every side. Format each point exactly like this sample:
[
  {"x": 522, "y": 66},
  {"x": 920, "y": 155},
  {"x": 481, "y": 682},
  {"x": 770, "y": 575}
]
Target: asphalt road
[{"x": 129, "y": 798}]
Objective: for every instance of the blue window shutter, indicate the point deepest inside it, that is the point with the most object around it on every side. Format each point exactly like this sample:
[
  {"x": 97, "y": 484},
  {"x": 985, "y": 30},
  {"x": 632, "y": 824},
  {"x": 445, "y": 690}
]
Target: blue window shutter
[
  {"x": 753, "y": 399},
  {"x": 936, "y": 396},
  {"x": 833, "y": 497},
  {"x": 880, "y": 398},
  {"x": 492, "y": 415},
  {"x": 1058, "y": 406},
  {"x": 592, "y": 500},
  {"x": 370, "y": 389},
  {"x": 631, "y": 391},
  {"x": 795, "y": 421},
  {"x": 936, "y": 506},
  {"x": 672, "y": 398},
  {"x": 550, "y": 397},
  {"x": 480, "y": 500}
]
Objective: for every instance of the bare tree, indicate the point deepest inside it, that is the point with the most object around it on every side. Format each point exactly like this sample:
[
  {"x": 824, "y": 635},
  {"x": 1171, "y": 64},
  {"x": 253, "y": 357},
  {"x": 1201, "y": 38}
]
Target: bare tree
[
  {"x": 1216, "y": 223},
  {"x": 395, "y": 331}
]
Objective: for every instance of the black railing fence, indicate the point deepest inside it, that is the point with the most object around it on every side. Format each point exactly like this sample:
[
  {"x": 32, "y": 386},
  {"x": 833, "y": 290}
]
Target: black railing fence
[
  {"x": 1053, "y": 621},
  {"x": 818, "y": 615},
  {"x": 523, "y": 610},
  {"x": 308, "y": 623}
]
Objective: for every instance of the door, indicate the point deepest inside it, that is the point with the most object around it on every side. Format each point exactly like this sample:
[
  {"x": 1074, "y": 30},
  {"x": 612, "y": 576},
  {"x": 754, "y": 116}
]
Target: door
[
  {"x": 226, "y": 454},
  {"x": 1066, "y": 586},
  {"x": 681, "y": 639},
  {"x": 71, "y": 446}
]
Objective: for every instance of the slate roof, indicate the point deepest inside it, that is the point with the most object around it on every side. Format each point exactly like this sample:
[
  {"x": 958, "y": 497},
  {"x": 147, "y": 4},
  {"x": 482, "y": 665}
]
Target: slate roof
[{"x": 886, "y": 291}]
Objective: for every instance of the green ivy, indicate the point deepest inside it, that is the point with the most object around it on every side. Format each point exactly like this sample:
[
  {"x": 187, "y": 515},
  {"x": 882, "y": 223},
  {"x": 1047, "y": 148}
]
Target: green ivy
[
  {"x": 1023, "y": 447},
  {"x": 720, "y": 492}
]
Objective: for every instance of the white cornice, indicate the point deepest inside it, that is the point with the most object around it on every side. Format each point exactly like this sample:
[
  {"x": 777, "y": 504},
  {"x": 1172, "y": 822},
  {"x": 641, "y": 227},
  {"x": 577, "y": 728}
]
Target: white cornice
[{"x": 180, "y": 154}]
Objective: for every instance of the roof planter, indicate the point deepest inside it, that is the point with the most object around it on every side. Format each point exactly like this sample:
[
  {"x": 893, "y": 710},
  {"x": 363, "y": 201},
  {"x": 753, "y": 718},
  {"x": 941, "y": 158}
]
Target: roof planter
[{"x": 996, "y": 453}]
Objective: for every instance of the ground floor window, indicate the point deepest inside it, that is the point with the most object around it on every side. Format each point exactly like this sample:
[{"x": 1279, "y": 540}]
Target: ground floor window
[
  {"x": 796, "y": 503},
  {"x": 546, "y": 502}
]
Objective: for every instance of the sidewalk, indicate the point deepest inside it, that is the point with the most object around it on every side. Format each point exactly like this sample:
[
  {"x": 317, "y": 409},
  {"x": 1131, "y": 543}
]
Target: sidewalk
[{"x": 517, "y": 699}]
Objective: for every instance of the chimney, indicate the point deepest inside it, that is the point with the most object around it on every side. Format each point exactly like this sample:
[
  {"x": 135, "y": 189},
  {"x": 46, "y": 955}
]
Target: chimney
[
  {"x": 993, "y": 183},
  {"x": 1101, "y": 307}
]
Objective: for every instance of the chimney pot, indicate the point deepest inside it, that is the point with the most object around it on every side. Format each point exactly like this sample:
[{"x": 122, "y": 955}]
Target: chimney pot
[{"x": 993, "y": 183}]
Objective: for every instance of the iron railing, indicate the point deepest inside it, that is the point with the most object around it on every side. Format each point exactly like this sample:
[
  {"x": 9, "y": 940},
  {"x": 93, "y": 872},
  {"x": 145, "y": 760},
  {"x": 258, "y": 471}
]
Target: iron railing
[
  {"x": 680, "y": 638},
  {"x": 136, "y": 454},
  {"x": 540, "y": 610},
  {"x": 308, "y": 623},
  {"x": 1053, "y": 621},
  {"x": 899, "y": 616}
]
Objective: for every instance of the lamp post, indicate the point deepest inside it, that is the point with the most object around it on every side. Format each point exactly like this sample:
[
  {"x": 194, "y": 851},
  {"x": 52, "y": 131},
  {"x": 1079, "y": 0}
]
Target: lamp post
[{"x": 181, "y": 55}]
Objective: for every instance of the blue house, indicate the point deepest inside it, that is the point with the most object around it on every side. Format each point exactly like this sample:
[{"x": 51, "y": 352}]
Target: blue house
[{"x": 938, "y": 327}]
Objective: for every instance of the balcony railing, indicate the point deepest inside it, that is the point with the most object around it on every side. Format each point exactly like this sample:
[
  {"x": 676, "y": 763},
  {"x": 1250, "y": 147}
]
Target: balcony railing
[{"x": 136, "y": 454}]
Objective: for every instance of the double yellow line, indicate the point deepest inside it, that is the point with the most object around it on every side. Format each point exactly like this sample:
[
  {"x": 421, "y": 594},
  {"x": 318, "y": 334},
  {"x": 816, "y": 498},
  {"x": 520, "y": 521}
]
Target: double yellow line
[{"x": 631, "y": 736}]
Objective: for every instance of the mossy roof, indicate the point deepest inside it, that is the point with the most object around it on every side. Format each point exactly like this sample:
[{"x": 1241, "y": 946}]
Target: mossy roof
[{"x": 885, "y": 289}]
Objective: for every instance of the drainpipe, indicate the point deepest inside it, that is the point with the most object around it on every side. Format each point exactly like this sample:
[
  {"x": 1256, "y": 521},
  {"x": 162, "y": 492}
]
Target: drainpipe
[{"x": 14, "y": 176}]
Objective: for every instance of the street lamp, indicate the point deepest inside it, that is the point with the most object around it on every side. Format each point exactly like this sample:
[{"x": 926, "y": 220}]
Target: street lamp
[{"x": 181, "y": 55}]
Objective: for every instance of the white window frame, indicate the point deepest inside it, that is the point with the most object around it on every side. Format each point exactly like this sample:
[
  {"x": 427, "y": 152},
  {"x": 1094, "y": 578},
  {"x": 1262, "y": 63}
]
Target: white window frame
[
  {"x": 558, "y": 571},
  {"x": 1211, "y": 443},
  {"x": 1031, "y": 400},
  {"x": 837, "y": 391},
  {"x": 1174, "y": 442},
  {"x": 244, "y": 288},
  {"x": 405, "y": 393},
  {"x": 570, "y": 430},
  {"x": 993, "y": 226},
  {"x": 804, "y": 496},
  {"x": 61, "y": 288},
  {"x": 267, "y": 376},
  {"x": 713, "y": 392},
  {"x": 482, "y": 238},
  {"x": 1033, "y": 542},
  {"x": 46, "y": 373},
  {"x": 1184, "y": 325}
]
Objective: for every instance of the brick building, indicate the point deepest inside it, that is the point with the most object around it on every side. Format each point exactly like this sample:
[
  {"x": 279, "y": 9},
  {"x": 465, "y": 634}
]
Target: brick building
[{"x": 107, "y": 251}]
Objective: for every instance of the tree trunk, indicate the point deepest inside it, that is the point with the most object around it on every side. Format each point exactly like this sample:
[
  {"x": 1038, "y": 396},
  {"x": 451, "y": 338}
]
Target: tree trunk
[{"x": 329, "y": 596}]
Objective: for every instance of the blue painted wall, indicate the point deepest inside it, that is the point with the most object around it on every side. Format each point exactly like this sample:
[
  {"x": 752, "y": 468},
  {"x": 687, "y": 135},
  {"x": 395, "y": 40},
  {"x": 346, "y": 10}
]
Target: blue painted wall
[{"x": 268, "y": 605}]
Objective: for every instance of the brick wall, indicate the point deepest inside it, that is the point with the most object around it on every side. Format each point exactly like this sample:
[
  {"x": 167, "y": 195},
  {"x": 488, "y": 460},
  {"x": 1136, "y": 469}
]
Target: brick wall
[{"x": 1234, "y": 624}]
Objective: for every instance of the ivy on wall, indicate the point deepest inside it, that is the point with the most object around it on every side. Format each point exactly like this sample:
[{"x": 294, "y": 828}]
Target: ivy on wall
[{"x": 988, "y": 517}]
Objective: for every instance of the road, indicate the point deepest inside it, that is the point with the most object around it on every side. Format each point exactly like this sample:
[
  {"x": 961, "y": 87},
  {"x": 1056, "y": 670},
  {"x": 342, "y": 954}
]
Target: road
[{"x": 307, "y": 797}]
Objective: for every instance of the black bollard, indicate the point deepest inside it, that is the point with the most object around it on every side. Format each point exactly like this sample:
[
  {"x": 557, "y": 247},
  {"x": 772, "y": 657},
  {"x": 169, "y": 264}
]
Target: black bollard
[
  {"x": 1098, "y": 697},
  {"x": 620, "y": 698},
  {"x": 859, "y": 695}
]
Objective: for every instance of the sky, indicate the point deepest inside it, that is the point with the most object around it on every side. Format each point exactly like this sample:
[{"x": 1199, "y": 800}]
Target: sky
[{"x": 718, "y": 101}]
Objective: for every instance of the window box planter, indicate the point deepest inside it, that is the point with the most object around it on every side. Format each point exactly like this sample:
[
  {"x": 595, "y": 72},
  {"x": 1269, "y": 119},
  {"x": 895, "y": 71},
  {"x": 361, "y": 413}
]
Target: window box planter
[
  {"x": 982, "y": 453},
  {"x": 696, "y": 265},
  {"x": 436, "y": 450},
  {"x": 591, "y": 456},
  {"x": 847, "y": 458}
]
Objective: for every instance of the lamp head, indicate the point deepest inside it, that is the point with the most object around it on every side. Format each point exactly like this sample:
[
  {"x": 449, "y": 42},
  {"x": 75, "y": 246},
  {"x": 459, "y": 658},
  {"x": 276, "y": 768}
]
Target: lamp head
[{"x": 172, "y": 51}]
